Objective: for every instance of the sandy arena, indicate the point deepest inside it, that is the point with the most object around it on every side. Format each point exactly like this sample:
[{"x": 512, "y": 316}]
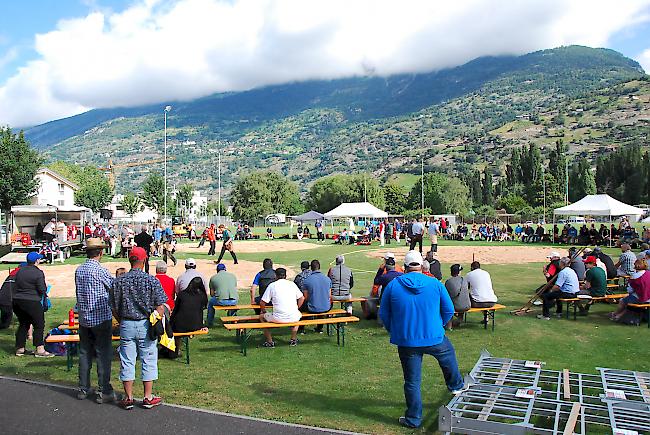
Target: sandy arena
[
  {"x": 483, "y": 254},
  {"x": 248, "y": 247}
]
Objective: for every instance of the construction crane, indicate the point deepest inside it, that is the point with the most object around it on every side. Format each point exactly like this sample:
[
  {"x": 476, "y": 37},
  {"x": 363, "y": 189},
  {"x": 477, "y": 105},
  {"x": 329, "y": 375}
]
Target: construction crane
[{"x": 110, "y": 168}]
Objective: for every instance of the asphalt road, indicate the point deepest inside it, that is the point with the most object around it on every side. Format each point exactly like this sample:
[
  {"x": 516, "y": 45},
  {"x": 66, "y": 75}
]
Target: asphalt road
[{"x": 28, "y": 408}]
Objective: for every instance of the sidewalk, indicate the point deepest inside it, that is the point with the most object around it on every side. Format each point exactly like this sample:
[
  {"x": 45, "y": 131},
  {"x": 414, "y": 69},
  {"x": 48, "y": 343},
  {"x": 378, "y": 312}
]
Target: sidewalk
[{"x": 28, "y": 407}]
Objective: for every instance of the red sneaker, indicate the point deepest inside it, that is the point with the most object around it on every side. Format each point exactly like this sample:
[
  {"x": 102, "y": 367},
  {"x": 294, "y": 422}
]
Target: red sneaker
[
  {"x": 150, "y": 403},
  {"x": 126, "y": 403}
]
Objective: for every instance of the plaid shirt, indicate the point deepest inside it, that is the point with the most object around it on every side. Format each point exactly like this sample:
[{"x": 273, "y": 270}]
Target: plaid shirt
[
  {"x": 627, "y": 260},
  {"x": 136, "y": 294},
  {"x": 93, "y": 283}
]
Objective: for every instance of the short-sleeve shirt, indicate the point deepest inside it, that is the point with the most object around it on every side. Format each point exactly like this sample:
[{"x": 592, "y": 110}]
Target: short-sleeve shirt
[
  {"x": 567, "y": 280},
  {"x": 283, "y": 295},
  {"x": 417, "y": 229},
  {"x": 480, "y": 285},
  {"x": 433, "y": 229},
  {"x": 627, "y": 260},
  {"x": 136, "y": 294},
  {"x": 318, "y": 286},
  {"x": 224, "y": 285},
  {"x": 598, "y": 279}
]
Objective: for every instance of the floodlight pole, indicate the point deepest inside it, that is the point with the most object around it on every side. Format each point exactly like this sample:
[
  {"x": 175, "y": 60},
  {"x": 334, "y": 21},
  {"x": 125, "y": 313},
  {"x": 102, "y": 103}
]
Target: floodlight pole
[
  {"x": 422, "y": 185},
  {"x": 566, "y": 176},
  {"x": 167, "y": 109},
  {"x": 219, "y": 205}
]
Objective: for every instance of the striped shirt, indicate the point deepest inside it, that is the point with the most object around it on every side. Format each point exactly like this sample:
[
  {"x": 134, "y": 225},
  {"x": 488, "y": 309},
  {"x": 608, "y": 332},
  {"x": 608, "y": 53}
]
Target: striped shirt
[{"x": 93, "y": 283}]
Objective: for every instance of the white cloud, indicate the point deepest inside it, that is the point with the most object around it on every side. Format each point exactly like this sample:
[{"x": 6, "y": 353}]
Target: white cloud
[
  {"x": 158, "y": 51},
  {"x": 644, "y": 60}
]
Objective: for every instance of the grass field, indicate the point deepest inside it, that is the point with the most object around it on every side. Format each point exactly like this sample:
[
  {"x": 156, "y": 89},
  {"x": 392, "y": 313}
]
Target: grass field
[{"x": 359, "y": 387}]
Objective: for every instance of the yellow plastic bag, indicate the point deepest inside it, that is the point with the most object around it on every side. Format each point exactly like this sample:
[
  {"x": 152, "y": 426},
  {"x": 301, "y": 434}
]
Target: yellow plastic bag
[{"x": 165, "y": 340}]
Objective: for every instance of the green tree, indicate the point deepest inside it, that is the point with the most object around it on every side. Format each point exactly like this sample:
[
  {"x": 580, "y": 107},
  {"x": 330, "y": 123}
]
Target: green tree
[
  {"x": 212, "y": 207},
  {"x": 153, "y": 193},
  {"x": 329, "y": 192},
  {"x": 18, "y": 166},
  {"x": 513, "y": 203},
  {"x": 264, "y": 192},
  {"x": 131, "y": 203},
  {"x": 581, "y": 180},
  {"x": 487, "y": 188},
  {"x": 395, "y": 196},
  {"x": 442, "y": 194}
]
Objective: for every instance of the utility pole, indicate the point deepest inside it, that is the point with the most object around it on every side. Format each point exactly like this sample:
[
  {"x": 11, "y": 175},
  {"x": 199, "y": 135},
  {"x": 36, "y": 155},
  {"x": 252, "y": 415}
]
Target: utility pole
[
  {"x": 219, "y": 205},
  {"x": 365, "y": 191},
  {"x": 167, "y": 109},
  {"x": 422, "y": 185},
  {"x": 544, "y": 189}
]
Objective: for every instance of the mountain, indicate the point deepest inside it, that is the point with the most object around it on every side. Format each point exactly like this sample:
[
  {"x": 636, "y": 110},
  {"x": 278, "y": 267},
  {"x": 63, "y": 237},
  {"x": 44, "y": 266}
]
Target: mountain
[{"x": 310, "y": 129}]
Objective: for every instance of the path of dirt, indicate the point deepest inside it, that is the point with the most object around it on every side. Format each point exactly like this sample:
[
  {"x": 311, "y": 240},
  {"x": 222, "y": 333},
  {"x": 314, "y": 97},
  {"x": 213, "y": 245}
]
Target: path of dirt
[
  {"x": 249, "y": 246},
  {"x": 483, "y": 254},
  {"x": 62, "y": 276}
]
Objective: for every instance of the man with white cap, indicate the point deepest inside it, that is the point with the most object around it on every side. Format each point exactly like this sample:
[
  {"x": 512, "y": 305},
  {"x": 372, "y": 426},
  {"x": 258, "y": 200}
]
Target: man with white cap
[
  {"x": 553, "y": 267},
  {"x": 190, "y": 273},
  {"x": 414, "y": 310}
]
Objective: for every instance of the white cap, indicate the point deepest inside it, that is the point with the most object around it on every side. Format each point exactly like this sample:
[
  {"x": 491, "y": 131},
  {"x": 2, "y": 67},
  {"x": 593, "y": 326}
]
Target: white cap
[
  {"x": 553, "y": 254},
  {"x": 388, "y": 255},
  {"x": 190, "y": 262},
  {"x": 413, "y": 258}
]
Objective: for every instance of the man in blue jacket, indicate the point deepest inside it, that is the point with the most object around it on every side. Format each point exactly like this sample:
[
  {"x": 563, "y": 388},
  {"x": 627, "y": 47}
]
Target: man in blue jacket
[{"x": 414, "y": 309}]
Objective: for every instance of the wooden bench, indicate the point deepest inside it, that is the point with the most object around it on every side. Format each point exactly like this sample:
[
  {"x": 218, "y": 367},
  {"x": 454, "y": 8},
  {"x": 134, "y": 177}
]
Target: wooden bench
[
  {"x": 236, "y": 319},
  {"x": 574, "y": 302},
  {"x": 70, "y": 339},
  {"x": 643, "y": 307},
  {"x": 488, "y": 313},
  {"x": 244, "y": 329},
  {"x": 256, "y": 306}
]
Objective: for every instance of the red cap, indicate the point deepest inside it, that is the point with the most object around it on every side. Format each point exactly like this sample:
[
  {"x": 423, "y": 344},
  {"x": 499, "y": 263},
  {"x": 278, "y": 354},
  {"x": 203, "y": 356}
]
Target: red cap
[
  {"x": 138, "y": 253},
  {"x": 590, "y": 259}
]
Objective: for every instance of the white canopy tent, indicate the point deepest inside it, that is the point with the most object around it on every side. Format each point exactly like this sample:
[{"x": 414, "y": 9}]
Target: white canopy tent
[
  {"x": 597, "y": 205},
  {"x": 351, "y": 210},
  {"x": 355, "y": 209}
]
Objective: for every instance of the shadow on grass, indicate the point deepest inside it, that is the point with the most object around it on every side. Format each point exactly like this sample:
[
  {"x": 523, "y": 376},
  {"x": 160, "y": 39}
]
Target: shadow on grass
[{"x": 353, "y": 405}]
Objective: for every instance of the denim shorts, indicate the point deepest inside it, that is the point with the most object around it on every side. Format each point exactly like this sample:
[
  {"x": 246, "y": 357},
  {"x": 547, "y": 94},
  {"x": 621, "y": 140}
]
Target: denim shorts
[{"x": 134, "y": 342}]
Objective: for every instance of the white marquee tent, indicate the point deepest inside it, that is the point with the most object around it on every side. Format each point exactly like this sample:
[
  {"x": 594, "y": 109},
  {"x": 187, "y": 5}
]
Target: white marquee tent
[
  {"x": 598, "y": 205},
  {"x": 355, "y": 209}
]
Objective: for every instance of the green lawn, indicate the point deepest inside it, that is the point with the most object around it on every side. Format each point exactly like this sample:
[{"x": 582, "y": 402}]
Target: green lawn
[{"x": 359, "y": 387}]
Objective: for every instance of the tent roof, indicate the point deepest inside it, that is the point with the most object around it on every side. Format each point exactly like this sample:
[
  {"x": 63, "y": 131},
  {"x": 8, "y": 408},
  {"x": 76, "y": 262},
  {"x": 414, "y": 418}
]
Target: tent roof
[
  {"x": 356, "y": 209},
  {"x": 37, "y": 209},
  {"x": 309, "y": 216},
  {"x": 598, "y": 205}
]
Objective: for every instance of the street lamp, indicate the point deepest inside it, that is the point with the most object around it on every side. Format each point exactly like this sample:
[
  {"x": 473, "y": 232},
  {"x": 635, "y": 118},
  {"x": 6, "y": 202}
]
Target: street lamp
[{"x": 167, "y": 109}]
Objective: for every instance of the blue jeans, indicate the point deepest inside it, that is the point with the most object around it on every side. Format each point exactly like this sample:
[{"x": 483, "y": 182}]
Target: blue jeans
[
  {"x": 134, "y": 342},
  {"x": 222, "y": 302},
  {"x": 411, "y": 359}
]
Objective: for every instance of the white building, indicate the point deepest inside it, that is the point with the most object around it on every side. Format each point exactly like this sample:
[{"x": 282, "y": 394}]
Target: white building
[
  {"x": 54, "y": 189},
  {"x": 197, "y": 204},
  {"x": 119, "y": 215}
]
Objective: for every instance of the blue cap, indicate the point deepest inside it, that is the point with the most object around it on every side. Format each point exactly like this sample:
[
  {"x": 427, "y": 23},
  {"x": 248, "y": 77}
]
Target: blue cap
[
  {"x": 221, "y": 267},
  {"x": 33, "y": 257},
  {"x": 23, "y": 264}
]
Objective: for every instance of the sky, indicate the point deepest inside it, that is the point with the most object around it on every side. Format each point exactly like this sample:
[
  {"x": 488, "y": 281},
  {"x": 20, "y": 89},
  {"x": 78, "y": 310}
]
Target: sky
[{"x": 63, "y": 57}]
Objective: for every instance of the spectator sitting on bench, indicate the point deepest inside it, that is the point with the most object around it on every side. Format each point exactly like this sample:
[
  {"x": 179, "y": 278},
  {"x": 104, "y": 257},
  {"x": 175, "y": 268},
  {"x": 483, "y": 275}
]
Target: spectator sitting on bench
[
  {"x": 299, "y": 231},
  {"x": 595, "y": 284},
  {"x": 385, "y": 274},
  {"x": 607, "y": 261},
  {"x": 458, "y": 292},
  {"x": 262, "y": 280},
  {"x": 481, "y": 292},
  {"x": 318, "y": 292},
  {"x": 342, "y": 282},
  {"x": 566, "y": 287},
  {"x": 625, "y": 265},
  {"x": 640, "y": 284},
  {"x": 577, "y": 264},
  {"x": 553, "y": 267},
  {"x": 269, "y": 233},
  {"x": 286, "y": 299},
  {"x": 188, "y": 309},
  {"x": 223, "y": 292}
]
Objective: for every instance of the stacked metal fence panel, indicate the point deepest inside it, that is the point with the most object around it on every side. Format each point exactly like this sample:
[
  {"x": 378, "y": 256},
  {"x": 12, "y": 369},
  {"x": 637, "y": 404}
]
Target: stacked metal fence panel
[{"x": 558, "y": 401}]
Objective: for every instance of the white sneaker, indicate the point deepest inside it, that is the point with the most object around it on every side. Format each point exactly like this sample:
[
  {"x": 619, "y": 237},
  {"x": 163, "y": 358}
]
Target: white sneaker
[
  {"x": 464, "y": 388},
  {"x": 543, "y": 317},
  {"x": 349, "y": 310}
]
